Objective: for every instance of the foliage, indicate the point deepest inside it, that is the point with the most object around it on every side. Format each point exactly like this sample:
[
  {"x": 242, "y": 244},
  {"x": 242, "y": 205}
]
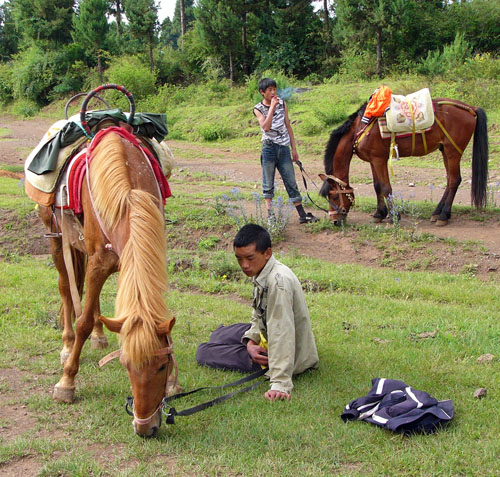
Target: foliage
[
  {"x": 142, "y": 16},
  {"x": 46, "y": 23},
  {"x": 6, "y": 83},
  {"x": 448, "y": 61},
  {"x": 90, "y": 28},
  {"x": 134, "y": 75},
  {"x": 9, "y": 36}
]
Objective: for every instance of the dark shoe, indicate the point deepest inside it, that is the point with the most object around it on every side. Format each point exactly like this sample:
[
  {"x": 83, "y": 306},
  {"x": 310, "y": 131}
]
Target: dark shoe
[{"x": 308, "y": 219}]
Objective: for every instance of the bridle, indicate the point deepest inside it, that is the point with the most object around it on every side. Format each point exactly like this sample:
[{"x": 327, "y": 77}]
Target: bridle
[
  {"x": 171, "y": 382},
  {"x": 345, "y": 193}
]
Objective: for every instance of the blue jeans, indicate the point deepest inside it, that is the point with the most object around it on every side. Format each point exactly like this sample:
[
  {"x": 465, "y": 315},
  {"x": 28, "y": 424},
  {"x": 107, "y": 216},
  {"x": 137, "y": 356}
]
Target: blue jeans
[{"x": 278, "y": 157}]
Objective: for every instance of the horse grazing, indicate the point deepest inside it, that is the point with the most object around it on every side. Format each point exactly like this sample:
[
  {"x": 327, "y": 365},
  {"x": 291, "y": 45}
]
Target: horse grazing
[
  {"x": 455, "y": 124},
  {"x": 123, "y": 230}
]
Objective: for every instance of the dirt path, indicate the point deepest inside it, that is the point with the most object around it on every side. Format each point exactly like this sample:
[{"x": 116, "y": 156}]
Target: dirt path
[{"x": 481, "y": 237}]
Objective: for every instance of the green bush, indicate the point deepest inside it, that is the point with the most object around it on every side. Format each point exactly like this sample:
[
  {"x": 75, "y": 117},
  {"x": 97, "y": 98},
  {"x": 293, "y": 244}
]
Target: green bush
[
  {"x": 449, "y": 61},
  {"x": 34, "y": 73},
  {"x": 131, "y": 73},
  {"x": 6, "y": 80},
  {"x": 213, "y": 132},
  {"x": 358, "y": 65},
  {"x": 25, "y": 108}
]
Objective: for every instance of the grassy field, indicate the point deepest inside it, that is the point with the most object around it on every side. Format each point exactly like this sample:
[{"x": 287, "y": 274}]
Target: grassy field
[{"x": 368, "y": 323}]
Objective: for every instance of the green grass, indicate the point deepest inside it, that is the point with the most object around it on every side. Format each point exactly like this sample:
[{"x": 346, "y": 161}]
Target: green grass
[{"x": 366, "y": 322}]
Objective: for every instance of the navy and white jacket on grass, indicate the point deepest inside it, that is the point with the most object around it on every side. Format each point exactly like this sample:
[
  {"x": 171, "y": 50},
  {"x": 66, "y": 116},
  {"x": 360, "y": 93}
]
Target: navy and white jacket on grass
[{"x": 398, "y": 407}]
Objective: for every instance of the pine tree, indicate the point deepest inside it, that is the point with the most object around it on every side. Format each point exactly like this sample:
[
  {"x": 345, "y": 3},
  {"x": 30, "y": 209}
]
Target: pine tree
[{"x": 91, "y": 29}]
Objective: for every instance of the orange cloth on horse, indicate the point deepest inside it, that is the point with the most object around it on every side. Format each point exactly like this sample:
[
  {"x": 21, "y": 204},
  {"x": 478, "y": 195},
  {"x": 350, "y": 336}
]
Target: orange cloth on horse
[{"x": 379, "y": 102}]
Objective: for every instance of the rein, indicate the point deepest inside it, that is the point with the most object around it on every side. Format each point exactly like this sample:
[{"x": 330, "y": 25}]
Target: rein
[
  {"x": 303, "y": 174},
  {"x": 165, "y": 402}
]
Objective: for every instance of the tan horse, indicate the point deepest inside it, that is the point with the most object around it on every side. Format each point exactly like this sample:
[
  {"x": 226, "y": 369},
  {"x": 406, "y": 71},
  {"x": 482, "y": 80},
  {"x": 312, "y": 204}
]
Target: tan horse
[
  {"x": 123, "y": 230},
  {"x": 456, "y": 123}
]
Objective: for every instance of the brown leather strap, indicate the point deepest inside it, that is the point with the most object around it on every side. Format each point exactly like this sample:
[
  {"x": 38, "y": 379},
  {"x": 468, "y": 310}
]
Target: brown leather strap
[{"x": 66, "y": 220}]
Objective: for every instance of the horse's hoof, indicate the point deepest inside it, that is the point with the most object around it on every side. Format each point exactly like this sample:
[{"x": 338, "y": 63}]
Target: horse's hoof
[
  {"x": 98, "y": 342},
  {"x": 63, "y": 394},
  {"x": 441, "y": 223},
  {"x": 377, "y": 220},
  {"x": 434, "y": 218}
]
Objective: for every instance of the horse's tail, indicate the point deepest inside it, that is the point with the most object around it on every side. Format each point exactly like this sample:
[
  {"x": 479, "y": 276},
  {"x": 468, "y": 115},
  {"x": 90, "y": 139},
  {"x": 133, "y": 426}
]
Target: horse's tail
[
  {"x": 79, "y": 260},
  {"x": 143, "y": 277},
  {"x": 480, "y": 160}
]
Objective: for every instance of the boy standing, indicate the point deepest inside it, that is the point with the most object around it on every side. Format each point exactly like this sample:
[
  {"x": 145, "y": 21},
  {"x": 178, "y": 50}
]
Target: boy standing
[{"x": 277, "y": 137}]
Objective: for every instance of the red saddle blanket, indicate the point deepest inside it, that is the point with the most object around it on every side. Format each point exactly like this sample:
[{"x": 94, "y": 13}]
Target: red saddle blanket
[{"x": 77, "y": 169}]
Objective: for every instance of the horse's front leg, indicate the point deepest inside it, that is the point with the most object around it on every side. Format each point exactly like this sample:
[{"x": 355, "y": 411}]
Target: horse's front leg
[
  {"x": 382, "y": 188},
  {"x": 99, "y": 267}
]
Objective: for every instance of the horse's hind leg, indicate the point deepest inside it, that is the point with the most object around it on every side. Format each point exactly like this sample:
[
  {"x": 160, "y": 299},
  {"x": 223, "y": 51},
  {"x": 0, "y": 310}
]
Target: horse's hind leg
[
  {"x": 98, "y": 339},
  {"x": 451, "y": 159},
  {"x": 67, "y": 313}
]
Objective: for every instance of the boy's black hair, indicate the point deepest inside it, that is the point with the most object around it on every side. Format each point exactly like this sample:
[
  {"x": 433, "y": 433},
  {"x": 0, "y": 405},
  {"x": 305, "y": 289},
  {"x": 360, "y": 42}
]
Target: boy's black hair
[
  {"x": 265, "y": 83},
  {"x": 253, "y": 233}
]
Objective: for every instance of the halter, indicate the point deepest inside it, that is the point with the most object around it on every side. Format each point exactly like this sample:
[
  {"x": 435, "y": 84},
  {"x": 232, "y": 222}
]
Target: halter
[
  {"x": 170, "y": 383},
  {"x": 344, "y": 192}
]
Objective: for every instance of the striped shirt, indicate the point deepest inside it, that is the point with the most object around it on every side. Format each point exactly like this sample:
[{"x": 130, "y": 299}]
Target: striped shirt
[{"x": 278, "y": 133}]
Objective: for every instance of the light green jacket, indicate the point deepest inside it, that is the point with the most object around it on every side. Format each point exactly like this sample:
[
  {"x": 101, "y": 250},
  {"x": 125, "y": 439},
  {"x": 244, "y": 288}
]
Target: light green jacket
[{"x": 280, "y": 313}]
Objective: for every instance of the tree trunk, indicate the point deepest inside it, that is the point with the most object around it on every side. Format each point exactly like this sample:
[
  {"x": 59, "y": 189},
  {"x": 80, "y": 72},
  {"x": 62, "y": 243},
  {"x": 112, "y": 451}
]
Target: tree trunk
[
  {"x": 151, "y": 58},
  {"x": 327, "y": 18},
  {"x": 183, "y": 17},
  {"x": 379, "y": 51},
  {"x": 99, "y": 67},
  {"x": 231, "y": 77}
]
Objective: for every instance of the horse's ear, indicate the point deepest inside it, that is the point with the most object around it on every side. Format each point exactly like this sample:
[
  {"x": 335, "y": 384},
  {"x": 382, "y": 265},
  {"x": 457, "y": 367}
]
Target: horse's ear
[
  {"x": 165, "y": 328},
  {"x": 322, "y": 177},
  {"x": 112, "y": 324}
]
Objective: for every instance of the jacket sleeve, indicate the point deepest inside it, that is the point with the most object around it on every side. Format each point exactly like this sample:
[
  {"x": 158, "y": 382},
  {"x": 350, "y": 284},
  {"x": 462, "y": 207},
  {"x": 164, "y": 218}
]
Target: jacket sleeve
[
  {"x": 280, "y": 335},
  {"x": 254, "y": 331}
]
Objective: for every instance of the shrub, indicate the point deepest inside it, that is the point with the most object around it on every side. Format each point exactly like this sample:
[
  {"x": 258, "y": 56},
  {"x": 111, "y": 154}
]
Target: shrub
[
  {"x": 213, "y": 132},
  {"x": 6, "y": 80},
  {"x": 358, "y": 65},
  {"x": 449, "y": 61},
  {"x": 25, "y": 108},
  {"x": 134, "y": 75}
]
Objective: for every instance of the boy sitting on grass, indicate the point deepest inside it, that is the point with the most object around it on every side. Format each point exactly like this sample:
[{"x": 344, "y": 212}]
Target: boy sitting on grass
[{"x": 277, "y": 137}]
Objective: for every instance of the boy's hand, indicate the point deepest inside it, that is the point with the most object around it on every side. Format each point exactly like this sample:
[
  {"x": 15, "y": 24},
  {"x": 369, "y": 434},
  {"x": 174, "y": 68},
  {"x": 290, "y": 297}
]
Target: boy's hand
[
  {"x": 258, "y": 354},
  {"x": 295, "y": 155},
  {"x": 275, "y": 101},
  {"x": 276, "y": 396}
]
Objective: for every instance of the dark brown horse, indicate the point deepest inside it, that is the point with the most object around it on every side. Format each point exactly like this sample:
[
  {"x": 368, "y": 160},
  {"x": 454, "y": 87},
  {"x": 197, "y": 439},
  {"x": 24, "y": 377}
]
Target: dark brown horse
[
  {"x": 455, "y": 124},
  {"x": 123, "y": 230}
]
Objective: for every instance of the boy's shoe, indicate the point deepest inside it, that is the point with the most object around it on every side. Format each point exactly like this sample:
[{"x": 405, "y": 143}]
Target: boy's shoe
[
  {"x": 271, "y": 219},
  {"x": 308, "y": 219}
]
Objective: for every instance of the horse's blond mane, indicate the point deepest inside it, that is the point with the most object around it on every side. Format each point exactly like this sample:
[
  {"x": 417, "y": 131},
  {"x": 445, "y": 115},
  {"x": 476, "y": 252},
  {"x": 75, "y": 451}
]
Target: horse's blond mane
[{"x": 143, "y": 276}]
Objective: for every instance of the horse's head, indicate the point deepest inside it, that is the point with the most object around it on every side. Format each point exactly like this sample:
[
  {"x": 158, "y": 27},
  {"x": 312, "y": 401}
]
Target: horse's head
[
  {"x": 340, "y": 197},
  {"x": 149, "y": 380}
]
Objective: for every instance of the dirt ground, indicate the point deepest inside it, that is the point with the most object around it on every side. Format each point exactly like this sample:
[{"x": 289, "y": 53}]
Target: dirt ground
[
  {"x": 463, "y": 245},
  {"x": 474, "y": 248}
]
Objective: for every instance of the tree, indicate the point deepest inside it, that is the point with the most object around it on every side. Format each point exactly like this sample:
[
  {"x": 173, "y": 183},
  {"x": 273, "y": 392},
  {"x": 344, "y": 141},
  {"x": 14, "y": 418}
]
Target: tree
[
  {"x": 142, "y": 16},
  {"x": 91, "y": 29},
  {"x": 220, "y": 27},
  {"x": 9, "y": 37},
  {"x": 45, "y": 22},
  {"x": 289, "y": 37},
  {"x": 116, "y": 9}
]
